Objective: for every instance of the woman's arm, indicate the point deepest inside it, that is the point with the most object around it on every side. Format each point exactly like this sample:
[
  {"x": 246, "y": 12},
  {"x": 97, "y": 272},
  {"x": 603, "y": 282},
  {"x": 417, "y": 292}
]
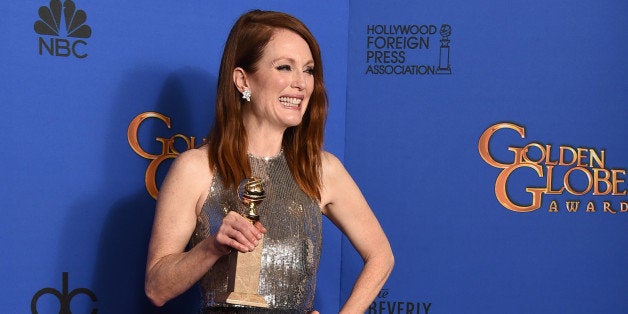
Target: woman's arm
[
  {"x": 170, "y": 270},
  {"x": 345, "y": 206}
]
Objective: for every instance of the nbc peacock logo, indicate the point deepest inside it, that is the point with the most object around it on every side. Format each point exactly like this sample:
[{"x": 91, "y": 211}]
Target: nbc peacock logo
[{"x": 63, "y": 29}]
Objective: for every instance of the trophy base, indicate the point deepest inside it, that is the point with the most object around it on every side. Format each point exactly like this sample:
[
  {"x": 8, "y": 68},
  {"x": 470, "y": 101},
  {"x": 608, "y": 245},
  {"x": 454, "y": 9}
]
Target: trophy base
[
  {"x": 247, "y": 299},
  {"x": 244, "y": 275},
  {"x": 443, "y": 70}
]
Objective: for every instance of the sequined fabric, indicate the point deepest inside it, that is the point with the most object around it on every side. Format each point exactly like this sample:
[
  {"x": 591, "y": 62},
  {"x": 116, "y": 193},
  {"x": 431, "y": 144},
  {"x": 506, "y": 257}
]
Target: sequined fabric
[{"x": 292, "y": 244}]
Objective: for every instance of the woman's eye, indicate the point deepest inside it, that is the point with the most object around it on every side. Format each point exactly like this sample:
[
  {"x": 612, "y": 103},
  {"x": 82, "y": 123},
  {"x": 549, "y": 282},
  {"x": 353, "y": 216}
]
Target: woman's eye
[
  {"x": 283, "y": 68},
  {"x": 309, "y": 71}
]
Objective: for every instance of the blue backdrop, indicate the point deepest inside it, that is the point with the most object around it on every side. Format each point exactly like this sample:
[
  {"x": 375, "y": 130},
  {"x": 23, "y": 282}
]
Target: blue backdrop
[
  {"x": 554, "y": 68},
  {"x": 94, "y": 112}
]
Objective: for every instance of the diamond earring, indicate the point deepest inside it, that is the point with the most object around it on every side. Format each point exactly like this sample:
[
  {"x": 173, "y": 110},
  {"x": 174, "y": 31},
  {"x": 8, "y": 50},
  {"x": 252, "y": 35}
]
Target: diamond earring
[{"x": 246, "y": 94}]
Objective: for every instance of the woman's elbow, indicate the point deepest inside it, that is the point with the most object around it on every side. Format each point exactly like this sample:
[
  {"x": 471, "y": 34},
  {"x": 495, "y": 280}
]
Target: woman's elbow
[
  {"x": 384, "y": 261},
  {"x": 390, "y": 262},
  {"x": 153, "y": 296}
]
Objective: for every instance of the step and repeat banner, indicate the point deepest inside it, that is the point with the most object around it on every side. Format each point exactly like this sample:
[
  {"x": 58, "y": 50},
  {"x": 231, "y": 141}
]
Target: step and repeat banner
[
  {"x": 97, "y": 99},
  {"x": 488, "y": 137}
]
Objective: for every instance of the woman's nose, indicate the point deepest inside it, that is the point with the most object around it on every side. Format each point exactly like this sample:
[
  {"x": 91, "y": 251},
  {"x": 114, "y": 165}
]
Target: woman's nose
[{"x": 298, "y": 81}]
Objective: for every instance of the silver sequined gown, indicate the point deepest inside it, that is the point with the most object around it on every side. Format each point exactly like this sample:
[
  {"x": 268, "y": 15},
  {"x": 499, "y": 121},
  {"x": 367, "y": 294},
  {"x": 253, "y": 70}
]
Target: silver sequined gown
[{"x": 292, "y": 244}]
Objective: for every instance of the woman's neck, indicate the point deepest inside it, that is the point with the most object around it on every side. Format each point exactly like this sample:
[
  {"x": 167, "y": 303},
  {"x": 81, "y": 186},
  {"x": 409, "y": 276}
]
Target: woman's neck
[
  {"x": 263, "y": 139},
  {"x": 264, "y": 143},
  {"x": 263, "y": 150}
]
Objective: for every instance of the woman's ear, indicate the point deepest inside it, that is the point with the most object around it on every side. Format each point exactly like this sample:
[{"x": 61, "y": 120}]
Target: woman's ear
[{"x": 239, "y": 79}]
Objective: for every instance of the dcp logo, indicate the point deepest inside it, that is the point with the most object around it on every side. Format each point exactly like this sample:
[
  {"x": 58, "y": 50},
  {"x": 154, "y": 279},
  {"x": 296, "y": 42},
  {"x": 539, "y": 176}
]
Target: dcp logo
[
  {"x": 64, "y": 296},
  {"x": 72, "y": 26}
]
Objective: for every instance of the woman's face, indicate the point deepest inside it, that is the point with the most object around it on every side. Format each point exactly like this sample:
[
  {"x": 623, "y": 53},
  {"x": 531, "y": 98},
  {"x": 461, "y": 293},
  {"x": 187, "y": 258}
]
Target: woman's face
[{"x": 282, "y": 84}]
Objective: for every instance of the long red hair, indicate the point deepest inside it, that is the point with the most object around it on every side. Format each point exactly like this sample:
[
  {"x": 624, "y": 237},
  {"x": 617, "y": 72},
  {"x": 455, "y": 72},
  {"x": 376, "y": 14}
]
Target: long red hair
[{"x": 302, "y": 144}]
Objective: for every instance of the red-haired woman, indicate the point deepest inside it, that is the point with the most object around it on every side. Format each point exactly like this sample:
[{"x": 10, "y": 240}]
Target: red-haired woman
[{"x": 271, "y": 107}]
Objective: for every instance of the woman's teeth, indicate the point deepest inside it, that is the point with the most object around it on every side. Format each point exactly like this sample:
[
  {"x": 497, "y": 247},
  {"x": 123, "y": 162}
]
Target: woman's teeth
[{"x": 289, "y": 101}]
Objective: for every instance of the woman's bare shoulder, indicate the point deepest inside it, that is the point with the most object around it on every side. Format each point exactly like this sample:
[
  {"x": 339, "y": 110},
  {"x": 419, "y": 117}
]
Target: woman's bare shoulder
[
  {"x": 195, "y": 153},
  {"x": 330, "y": 163},
  {"x": 333, "y": 176},
  {"x": 189, "y": 177},
  {"x": 191, "y": 169}
]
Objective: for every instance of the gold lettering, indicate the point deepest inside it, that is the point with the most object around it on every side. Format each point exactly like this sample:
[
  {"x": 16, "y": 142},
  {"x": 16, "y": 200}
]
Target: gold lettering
[
  {"x": 595, "y": 157},
  {"x": 526, "y": 149},
  {"x": 588, "y": 161},
  {"x": 601, "y": 176},
  {"x": 548, "y": 153},
  {"x": 572, "y": 206},
  {"x": 151, "y": 171},
  {"x": 608, "y": 209},
  {"x": 568, "y": 186},
  {"x": 561, "y": 157},
  {"x": 502, "y": 195},
  {"x": 168, "y": 149},
  {"x": 134, "y": 126},
  {"x": 189, "y": 143},
  {"x": 581, "y": 156},
  {"x": 483, "y": 146},
  {"x": 550, "y": 175},
  {"x": 617, "y": 181}
]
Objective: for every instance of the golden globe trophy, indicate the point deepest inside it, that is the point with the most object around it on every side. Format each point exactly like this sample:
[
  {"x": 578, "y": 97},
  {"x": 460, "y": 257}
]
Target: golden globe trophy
[{"x": 245, "y": 269}]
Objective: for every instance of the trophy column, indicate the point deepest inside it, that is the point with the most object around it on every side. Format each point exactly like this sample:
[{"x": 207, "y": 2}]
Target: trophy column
[{"x": 443, "y": 57}]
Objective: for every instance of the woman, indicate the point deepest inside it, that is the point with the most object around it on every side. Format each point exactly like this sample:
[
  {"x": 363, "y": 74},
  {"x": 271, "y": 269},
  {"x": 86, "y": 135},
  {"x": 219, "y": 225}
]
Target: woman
[{"x": 271, "y": 107}]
